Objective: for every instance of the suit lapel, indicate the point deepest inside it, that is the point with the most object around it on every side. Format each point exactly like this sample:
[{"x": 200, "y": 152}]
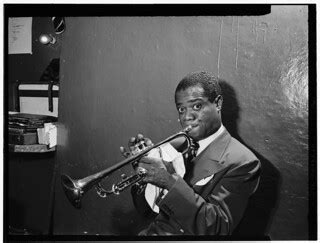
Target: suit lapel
[{"x": 207, "y": 163}]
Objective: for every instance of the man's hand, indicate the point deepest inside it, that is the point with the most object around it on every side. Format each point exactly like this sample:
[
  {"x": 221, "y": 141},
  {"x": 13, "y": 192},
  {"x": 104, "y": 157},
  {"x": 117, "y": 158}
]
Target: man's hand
[
  {"x": 156, "y": 172},
  {"x": 136, "y": 145}
]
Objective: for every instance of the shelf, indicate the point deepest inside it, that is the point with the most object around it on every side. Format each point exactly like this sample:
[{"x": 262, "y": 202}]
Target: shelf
[{"x": 34, "y": 148}]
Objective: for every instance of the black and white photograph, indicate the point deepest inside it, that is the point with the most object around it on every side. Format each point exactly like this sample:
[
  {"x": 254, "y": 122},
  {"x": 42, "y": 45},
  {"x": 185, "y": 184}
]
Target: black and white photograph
[{"x": 159, "y": 122}]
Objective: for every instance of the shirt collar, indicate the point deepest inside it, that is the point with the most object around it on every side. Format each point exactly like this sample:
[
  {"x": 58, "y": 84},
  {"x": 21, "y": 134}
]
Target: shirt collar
[{"x": 206, "y": 141}]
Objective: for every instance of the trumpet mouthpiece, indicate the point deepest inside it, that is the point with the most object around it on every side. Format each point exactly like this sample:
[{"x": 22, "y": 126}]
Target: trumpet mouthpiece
[{"x": 188, "y": 128}]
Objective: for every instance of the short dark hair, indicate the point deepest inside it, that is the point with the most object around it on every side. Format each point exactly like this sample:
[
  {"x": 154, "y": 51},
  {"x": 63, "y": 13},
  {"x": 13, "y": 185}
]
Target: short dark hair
[{"x": 206, "y": 80}]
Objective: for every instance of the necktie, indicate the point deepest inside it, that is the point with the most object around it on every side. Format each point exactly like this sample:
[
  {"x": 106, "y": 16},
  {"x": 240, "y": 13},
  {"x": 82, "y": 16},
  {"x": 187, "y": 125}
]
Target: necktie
[
  {"x": 188, "y": 158},
  {"x": 192, "y": 152}
]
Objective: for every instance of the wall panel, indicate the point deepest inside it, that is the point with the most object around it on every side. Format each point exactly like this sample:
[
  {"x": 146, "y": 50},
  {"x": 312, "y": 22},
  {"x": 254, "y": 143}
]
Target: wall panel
[{"x": 118, "y": 76}]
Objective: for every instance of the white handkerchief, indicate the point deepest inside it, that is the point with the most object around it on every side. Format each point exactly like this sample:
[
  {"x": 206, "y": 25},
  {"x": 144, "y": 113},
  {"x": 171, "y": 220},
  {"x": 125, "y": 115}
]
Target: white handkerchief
[
  {"x": 204, "y": 181},
  {"x": 169, "y": 154}
]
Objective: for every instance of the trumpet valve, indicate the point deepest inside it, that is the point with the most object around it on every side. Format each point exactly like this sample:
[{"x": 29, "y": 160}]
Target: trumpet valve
[{"x": 141, "y": 145}]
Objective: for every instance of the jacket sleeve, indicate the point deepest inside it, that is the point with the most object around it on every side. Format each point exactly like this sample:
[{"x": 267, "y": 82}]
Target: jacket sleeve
[{"x": 223, "y": 204}]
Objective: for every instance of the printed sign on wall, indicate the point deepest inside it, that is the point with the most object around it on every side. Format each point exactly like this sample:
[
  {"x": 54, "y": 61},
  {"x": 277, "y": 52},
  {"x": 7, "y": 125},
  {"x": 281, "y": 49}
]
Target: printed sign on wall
[{"x": 20, "y": 35}]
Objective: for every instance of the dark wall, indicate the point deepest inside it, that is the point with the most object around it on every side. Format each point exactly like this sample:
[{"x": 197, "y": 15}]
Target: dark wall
[
  {"x": 29, "y": 67},
  {"x": 30, "y": 192},
  {"x": 118, "y": 76},
  {"x": 30, "y": 176}
]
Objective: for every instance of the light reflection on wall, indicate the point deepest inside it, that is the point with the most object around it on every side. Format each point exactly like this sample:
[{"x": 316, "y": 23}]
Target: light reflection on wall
[{"x": 294, "y": 79}]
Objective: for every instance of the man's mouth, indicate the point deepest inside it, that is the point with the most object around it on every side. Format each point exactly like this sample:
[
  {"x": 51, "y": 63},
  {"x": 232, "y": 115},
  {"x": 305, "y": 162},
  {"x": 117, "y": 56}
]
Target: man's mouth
[{"x": 192, "y": 126}]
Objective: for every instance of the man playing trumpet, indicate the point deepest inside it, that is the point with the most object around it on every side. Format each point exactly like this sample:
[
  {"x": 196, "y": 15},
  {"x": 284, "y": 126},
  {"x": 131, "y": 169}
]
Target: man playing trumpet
[{"x": 209, "y": 196}]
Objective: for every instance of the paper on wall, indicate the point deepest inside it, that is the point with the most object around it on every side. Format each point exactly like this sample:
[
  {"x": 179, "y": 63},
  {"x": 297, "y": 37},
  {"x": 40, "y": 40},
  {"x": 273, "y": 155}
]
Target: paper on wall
[{"x": 19, "y": 34}]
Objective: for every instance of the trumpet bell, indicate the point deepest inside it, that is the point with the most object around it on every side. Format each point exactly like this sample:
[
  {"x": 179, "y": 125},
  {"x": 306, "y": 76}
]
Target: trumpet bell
[{"x": 72, "y": 191}]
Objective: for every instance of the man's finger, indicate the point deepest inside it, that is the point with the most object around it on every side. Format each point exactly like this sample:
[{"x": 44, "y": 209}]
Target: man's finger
[
  {"x": 131, "y": 142},
  {"x": 139, "y": 137},
  {"x": 148, "y": 142},
  {"x": 124, "y": 153},
  {"x": 145, "y": 166},
  {"x": 145, "y": 160}
]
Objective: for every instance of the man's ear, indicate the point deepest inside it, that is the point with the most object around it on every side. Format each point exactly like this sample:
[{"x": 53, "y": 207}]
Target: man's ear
[{"x": 219, "y": 101}]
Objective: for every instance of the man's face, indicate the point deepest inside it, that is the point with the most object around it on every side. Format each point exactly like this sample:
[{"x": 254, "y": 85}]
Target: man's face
[{"x": 195, "y": 109}]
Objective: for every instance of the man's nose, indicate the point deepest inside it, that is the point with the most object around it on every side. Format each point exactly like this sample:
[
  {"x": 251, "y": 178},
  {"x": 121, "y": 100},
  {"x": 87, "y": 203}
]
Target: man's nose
[{"x": 189, "y": 116}]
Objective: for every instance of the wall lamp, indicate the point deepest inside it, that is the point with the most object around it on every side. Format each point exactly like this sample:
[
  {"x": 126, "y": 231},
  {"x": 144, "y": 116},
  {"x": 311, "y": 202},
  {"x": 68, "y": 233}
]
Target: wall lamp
[{"x": 47, "y": 39}]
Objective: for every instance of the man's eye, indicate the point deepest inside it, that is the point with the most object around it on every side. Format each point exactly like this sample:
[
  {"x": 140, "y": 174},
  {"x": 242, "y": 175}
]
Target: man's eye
[
  {"x": 181, "y": 110},
  {"x": 197, "y": 107}
]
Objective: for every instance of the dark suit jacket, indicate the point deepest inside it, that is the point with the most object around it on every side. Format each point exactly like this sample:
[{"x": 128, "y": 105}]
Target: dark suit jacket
[{"x": 216, "y": 207}]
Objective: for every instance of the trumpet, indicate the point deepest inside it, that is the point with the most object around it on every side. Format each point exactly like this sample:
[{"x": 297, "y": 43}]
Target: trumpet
[{"x": 75, "y": 189}]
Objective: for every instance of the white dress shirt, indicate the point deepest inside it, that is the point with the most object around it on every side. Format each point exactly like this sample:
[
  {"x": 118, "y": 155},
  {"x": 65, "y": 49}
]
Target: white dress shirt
[
  {"x": 202, "y": 146},
  {"x": 206, "y": 141}
]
